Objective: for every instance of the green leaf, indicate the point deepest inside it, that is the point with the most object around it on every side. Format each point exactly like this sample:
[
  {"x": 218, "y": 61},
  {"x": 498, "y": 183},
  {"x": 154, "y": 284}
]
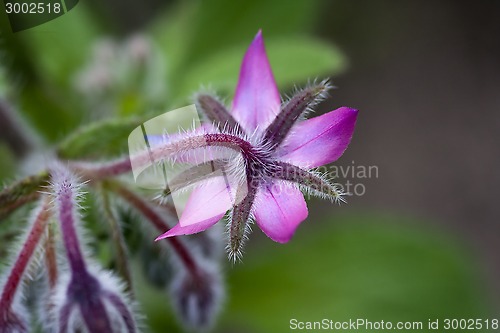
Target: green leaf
[
  {"x": 21, "y": 192},
  {"x": 107, "y": 138},
  {"x": 293, "y": 60}
]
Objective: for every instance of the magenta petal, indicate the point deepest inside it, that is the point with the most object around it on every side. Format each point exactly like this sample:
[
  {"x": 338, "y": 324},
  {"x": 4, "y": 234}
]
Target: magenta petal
[
  {"x": 319, "y": 140},
  {"x": 178, "y": 230},
  {"x": 257, "y": 99},
  {"x": 211, "y": 199},
  {"x": 279, "y": 209},
  {"x": 206, "y": 205}
]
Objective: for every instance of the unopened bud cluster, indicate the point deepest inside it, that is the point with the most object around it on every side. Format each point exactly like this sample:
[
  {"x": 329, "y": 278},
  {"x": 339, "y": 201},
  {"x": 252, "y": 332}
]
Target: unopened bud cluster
[{"x": 71, "y": 290}]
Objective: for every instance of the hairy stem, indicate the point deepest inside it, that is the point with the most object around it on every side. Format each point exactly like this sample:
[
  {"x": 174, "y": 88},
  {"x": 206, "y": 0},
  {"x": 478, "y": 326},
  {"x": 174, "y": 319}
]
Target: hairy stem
[
  {"x": 42, "y": 215},
  {"x": 96, "y": 171},
  {"x": 67, "y": 216},
  {"x": 83, "y": 289}
]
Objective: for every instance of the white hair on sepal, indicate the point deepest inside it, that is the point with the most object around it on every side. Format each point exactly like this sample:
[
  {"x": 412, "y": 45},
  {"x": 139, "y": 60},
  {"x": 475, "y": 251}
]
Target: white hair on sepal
[
  {"x": 207, "y": 91},
  {"x": 236, "y": 255},
  {"x": 331, "y": 192},
  {"x": 310, "y": 108},
  {"x": 211, "y": 91},
  {"x": 323, "y": 94},
  {"x": 204, "y": 89}
]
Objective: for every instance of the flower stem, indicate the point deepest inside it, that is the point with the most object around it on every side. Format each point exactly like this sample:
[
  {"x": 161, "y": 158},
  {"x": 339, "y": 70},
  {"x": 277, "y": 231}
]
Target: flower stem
[
  {"x": 66, "y": 204},
  {"x": 50, "y": 257},
  {"x": 158, "y": 222},
  {"x": 97, "y": 171},
  {"x": 118, "y": 240},
  {"x": 83, "y": 289},
  {"x": 42, "y": 215}
]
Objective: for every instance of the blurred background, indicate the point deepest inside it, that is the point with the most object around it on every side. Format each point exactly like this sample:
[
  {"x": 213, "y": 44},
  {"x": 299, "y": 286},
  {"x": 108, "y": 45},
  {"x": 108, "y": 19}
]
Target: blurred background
[{"x": 421, "y": 242}]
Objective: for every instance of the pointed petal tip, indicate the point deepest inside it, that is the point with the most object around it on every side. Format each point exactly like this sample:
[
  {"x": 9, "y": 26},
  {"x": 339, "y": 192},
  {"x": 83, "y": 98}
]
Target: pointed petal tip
[
  {"x": 163, "y": 236},
  {"x": 258, "y": 36},
  {"x": 179, "y": 230},
  {"x": 256, "y": 100},
  {"x": 350, "y": 113},
  {"x": 348, "y": 109},
  {"x": 320, "y": 140}
]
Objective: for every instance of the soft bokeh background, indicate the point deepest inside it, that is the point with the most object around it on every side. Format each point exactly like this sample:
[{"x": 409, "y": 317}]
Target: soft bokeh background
[{"x": 422, "y": 242}]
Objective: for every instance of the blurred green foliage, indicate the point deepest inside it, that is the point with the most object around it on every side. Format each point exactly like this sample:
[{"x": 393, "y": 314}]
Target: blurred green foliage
[
  {"x": 105, "y": 138},
  {"x": 346, "y": 267},
  {"x": 201, "y": 43}
]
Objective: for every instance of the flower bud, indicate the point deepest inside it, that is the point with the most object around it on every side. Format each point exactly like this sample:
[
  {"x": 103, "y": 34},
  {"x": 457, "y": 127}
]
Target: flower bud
[
  {"x": 86, "y": 299},
  {"x": 91, "y": 303},
  {"x": 197, "y": 298}
]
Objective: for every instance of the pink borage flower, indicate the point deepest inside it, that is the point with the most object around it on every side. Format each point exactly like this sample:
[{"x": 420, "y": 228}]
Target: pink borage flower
[{"x": 279, "y": 148}]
